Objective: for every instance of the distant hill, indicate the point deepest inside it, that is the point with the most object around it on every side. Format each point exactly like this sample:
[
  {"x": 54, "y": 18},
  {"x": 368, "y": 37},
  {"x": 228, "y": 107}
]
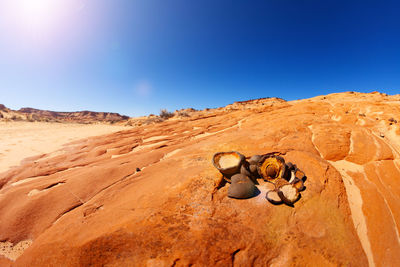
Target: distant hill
[{"x": 32, "y": 114}]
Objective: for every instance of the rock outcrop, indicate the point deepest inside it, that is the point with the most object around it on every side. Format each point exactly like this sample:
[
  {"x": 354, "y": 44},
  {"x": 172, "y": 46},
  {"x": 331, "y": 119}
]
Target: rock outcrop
[
  {"x": 31, "y": 114},
  {"x": 3, "y": 108},
  {"x": 91, "y": 205}
]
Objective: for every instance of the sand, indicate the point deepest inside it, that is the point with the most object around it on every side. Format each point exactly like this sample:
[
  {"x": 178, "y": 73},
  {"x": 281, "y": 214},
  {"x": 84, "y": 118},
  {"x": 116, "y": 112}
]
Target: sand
[
  {"x": 11, "y": 251},
  {"x": 19, "y": 140},
  {"x": 290, "y": 192},
  {"x": 228, "y": 161}
]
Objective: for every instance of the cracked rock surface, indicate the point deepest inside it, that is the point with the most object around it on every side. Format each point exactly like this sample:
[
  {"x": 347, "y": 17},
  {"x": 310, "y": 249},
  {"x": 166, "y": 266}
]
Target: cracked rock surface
[{"x": 90, "y": 206}]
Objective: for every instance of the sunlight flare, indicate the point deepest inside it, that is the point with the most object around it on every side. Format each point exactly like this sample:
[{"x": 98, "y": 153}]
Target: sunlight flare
[{"x": 39, "y": 16}]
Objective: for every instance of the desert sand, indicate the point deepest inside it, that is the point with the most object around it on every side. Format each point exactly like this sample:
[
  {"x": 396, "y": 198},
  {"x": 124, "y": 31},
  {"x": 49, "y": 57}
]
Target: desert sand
[{"x": 20, "y": 140}]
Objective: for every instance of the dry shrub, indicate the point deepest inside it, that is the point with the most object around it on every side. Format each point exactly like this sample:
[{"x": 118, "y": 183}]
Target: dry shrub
[
  {"x": 183, "y": 114},
  {"x": 165, "y": 114}
]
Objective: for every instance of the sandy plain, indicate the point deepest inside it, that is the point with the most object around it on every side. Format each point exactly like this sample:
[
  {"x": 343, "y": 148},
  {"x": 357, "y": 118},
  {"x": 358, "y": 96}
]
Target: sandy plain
[{"x": 19, "y": 140}]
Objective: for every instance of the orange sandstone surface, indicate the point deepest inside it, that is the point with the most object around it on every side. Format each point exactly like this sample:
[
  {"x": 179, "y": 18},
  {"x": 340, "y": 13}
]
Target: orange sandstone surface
[{"x": 92, "y": 206}]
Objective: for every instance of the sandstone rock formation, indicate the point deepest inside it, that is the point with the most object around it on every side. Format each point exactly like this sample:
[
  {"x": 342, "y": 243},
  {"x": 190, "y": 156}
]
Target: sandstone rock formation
[
  {"x": 91, "y": 206},
  {"x": 31, "y": 114},
  {"x": 2, "y": 107}
]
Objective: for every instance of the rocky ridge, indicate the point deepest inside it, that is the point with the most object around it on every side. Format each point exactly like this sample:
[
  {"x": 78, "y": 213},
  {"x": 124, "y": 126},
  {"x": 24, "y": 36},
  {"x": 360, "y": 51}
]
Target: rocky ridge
[
  {"x": 31, "y": 114},
  {"x": 145, "y": 196}
]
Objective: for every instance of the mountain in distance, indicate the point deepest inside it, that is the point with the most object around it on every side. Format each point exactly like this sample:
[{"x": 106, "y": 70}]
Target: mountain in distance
[{"x": 32, "y": 115}]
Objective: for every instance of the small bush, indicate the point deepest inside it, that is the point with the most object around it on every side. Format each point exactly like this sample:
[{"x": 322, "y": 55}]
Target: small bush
[
  {"x": 165, "y": 114},
  {"x": 32, "y": 117},
  {"x": 153, "y": 120},
  {"x": 15, "y": 118},
  {"x": 183, "y": 114}
]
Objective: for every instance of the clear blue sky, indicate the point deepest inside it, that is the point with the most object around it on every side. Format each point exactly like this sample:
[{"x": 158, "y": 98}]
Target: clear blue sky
[{"x": 136, "y": 57}]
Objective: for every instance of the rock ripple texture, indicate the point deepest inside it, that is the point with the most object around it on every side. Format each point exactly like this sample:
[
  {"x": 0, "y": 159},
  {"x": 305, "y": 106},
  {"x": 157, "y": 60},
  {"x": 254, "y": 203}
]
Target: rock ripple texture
[{"x": 91, "y": 207}]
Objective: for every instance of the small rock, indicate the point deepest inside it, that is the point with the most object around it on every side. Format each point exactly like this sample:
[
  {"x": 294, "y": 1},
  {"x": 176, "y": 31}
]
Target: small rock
[
  {"x": 240, "y": 178},
  {"x": 289, "y": 166},
  {"x": 241, "y": 187},
  {"x": 273, "y": 197},
  {"x": 255, "y": 159},
  {"x": 289, "y": 194},
  {"x": 244, "y": 169},
  {"x": 253, "y": 169}
]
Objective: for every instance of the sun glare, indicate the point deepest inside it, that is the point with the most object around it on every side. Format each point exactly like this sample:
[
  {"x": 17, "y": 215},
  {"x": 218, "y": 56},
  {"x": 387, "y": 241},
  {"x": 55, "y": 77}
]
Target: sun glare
[
  {"x": 38, "y": 11},
  {"x": 38, "y": 16}
]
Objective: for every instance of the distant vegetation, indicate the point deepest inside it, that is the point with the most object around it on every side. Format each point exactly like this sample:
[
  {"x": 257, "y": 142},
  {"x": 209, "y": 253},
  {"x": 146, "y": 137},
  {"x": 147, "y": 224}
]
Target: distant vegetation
[
  {"x": 165, "y": 114},
  {"x": 182, "y": 113}
]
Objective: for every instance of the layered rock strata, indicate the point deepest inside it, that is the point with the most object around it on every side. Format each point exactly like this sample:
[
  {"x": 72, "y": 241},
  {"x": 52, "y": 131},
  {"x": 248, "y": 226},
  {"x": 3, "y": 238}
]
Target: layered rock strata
[
  {"x": 32, "y": 115},
  {"x": 91, "y": 206}
]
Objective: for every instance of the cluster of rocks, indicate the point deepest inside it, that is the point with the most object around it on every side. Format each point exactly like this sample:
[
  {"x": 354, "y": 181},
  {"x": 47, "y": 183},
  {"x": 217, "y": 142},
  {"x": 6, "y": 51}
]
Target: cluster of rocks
[{"x": 242, "y": 174}]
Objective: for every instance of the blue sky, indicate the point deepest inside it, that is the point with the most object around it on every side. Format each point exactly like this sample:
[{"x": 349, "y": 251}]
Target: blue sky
[{"x": 136, "y": 57}]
